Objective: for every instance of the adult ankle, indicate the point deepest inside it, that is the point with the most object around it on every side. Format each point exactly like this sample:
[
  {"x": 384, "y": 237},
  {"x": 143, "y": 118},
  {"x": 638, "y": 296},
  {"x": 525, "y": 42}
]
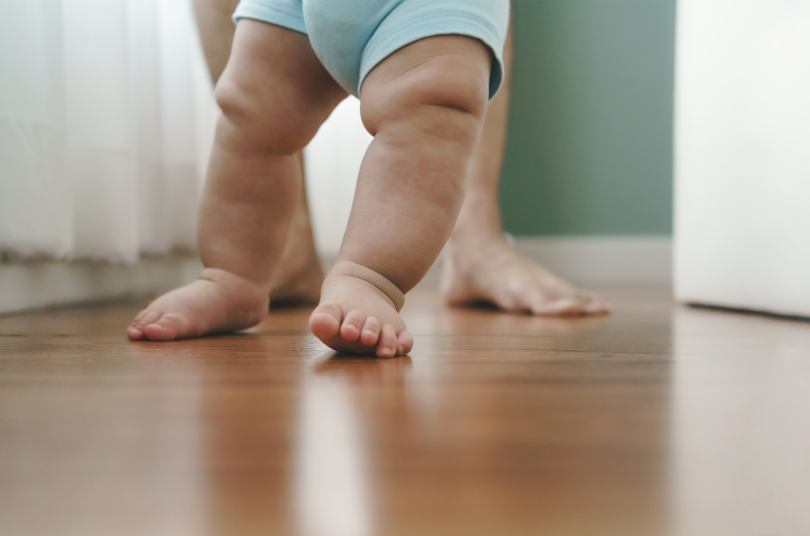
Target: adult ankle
[
  {"x": 479, "y": 220},
  {"x": 469, "y": 232}
]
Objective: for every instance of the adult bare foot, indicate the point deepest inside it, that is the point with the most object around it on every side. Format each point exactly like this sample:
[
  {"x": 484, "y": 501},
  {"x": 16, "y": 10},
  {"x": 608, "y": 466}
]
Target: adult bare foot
[
  {"x": 489, "y": 270},
  {"x": 359, "y": 313},
  {"x": 217, "y": 302},
  {"x": 479, "y": 265}
]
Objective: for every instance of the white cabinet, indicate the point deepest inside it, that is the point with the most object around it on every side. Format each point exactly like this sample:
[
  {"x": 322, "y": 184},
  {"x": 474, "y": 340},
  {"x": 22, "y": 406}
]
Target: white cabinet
[{"x": 742, "y": 154}]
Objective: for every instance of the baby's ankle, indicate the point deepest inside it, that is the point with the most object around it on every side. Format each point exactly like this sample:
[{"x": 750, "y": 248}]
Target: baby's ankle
[
  {"x": 240, "y": 290},
  {"x": 387, "y": 289},
  {"x": 230, "y": 279}
]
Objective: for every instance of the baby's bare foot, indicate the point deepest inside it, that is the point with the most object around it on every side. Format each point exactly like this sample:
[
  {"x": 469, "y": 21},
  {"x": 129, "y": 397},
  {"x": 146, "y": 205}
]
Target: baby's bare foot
[
  {"x": 495, "y": 272},
  {"x": 217, "y": 302},
  {"x": 359, "y": 313}
]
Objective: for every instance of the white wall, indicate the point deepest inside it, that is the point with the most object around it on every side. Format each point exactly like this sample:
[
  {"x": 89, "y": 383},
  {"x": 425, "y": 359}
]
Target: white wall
[{"x": 742, "y": 155}]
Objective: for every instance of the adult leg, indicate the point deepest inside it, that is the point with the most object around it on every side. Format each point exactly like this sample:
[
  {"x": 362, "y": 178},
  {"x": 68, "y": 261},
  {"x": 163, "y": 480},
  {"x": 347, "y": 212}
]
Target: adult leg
[
  {"x": 274, "y": 96},
  {"x": 480, "y": 266},
  {"x": 425, "y": 107},
  {"x": 299, "y": 275}
]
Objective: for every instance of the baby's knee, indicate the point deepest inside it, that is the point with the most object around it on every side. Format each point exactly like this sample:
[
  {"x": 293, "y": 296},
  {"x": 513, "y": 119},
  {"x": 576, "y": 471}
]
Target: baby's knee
[
  {"x": 450, "y": 89},
  {"x": 255, "y": 119}
]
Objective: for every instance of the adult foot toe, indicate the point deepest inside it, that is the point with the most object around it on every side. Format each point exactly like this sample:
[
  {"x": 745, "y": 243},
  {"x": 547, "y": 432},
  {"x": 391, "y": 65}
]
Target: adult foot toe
[
  {"x": 566, "y": 306},
  {"x": 596, "y": 305}
]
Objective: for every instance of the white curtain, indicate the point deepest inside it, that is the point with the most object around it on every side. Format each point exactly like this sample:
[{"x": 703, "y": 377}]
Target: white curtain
[{"x": 106, "y": 120}]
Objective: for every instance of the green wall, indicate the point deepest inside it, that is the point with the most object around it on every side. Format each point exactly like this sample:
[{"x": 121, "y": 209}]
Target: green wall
[{"x": 590, "y": 140}]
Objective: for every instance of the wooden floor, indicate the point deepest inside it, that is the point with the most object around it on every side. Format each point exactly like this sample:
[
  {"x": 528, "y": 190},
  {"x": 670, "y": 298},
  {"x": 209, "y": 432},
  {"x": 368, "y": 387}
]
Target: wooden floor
[{"x": 659, "y": 419}]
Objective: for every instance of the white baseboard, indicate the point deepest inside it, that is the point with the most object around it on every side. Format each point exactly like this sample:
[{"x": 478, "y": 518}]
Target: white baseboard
[
  {"x": 34, "y": 285},
  {"x": 610, "y": 259},
  {"x": 581, "y": 259}
]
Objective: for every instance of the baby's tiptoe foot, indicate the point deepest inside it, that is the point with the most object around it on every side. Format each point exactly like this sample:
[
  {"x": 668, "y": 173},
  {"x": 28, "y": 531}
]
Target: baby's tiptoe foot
[
  {"x": 358, "y": 313},
  {"x": 217, "y": 302}
]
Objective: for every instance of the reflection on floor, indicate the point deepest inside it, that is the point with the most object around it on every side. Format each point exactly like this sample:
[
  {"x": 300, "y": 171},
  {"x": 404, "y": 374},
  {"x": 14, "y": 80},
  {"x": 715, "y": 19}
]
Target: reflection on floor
[{"x": 658, "y": 419}]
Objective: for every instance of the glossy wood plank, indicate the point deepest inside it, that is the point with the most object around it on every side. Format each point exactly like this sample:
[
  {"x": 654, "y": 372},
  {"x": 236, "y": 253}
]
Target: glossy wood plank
[{"x": 659, "y": 419}]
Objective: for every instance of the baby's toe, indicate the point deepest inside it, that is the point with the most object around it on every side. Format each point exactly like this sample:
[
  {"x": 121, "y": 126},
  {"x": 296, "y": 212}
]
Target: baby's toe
[
  {"x": 325, "y": 321},
  {"x": 352, "y": 324},
  {"x": 135, "y": 333},
  {"x": 371, "y": 332},
  {"x": 140, "y": 316},
  {"x": 404, "y": 343},
  {"x": 168, "y": 328},
  {"x": 144, "y": 318},
  {"x": 387, "y": 346}
]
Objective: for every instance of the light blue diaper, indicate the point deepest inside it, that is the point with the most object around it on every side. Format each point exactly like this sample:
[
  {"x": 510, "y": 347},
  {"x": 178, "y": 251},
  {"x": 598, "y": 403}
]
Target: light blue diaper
[{"x": 351, "y": 37}]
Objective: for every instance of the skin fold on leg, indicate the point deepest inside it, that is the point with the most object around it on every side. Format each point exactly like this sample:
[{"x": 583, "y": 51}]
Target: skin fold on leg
[
  {"x": 274, "y": 95},
  {"x": 425, "y": 107},
  {"x": 298, "y": 277}
]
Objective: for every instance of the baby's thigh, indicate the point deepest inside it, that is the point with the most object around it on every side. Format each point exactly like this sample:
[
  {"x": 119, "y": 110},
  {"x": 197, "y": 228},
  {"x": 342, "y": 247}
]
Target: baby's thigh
[{"x": 421, "y": 81}]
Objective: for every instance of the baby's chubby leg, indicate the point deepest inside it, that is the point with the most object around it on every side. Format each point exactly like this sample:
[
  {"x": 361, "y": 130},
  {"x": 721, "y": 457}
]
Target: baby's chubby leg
[
  {"x": 274, "y": 95},
  {"x": 425, "y": 106}
]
